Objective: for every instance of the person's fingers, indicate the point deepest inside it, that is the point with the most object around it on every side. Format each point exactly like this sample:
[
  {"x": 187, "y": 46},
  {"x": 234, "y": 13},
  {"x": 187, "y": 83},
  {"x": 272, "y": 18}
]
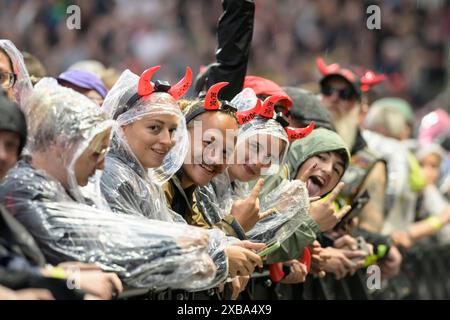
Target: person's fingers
[
  {"x": 347, "y": 263},
  {"x": 354, "y": 254},
  {"x": 254, "y": 258},
  {"x": 314, "y": 199},
  {"x": 303, "y": 268},
  {"x": 266, "y": 213},
  {"x": 252, "y": 245},
  {"x": 295, "y": 267},
  {"x": 342, "y": 212},
  {"x": 344, "y": 270},
  {"x": 115, "y": 281},
  {"x": 346, "y": 241},
  {"x": 244, "y": 281},
  {"x": 335, "y": 193},
  {"x": 236, "y": 288},
  {"x": 249, "y": 268},
  {"x": 304, "y": 177},
  {"x": 239, "y": 269},
  {"x": 322, "y": 274},
  {"x": 324, "y": 257},
  {"x": 256, "y": 208},
  {"x": 256, "y": 189}
]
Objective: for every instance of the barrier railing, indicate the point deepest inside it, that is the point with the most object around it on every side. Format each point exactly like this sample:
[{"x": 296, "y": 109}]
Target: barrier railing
[{"x": 425, "y": 274}]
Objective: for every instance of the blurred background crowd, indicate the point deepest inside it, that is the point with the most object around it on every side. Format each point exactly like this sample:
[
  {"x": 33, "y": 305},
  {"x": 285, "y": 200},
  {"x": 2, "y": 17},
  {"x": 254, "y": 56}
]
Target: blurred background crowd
[{"x": 411, "y": 47}]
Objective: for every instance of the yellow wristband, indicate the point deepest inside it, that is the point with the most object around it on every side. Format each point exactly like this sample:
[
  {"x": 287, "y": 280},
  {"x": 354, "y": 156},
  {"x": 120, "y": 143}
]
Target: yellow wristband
[
  {"x": 57, "y": 273},
  {"x": 435, "y": 222}
]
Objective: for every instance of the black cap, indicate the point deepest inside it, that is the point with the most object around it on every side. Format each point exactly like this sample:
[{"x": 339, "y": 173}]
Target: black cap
[
  {"x": 12, "y": 119},
  {"x": 307, "y": 107}
]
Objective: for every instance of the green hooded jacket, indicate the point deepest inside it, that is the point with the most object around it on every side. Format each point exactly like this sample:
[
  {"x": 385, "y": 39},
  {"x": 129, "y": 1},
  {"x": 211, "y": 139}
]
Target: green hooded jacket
[{"x": 319, "y": 141}]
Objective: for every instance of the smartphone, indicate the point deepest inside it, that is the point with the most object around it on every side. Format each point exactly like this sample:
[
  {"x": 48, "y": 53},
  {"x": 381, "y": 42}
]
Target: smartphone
[
  {"x": 357, "y": 205},
  {"x": 269, "y": 249}
]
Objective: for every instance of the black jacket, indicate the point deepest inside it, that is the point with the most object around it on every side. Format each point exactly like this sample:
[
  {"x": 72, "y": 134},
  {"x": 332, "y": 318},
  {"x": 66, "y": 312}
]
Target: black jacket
[{"x": 234, "y": 35}]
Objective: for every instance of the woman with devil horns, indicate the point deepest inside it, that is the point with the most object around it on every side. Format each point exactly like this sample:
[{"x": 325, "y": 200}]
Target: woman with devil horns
[{"x": 211, "y": 125}]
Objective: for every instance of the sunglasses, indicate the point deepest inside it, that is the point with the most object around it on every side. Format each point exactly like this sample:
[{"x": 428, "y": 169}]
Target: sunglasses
[
  {"x": 7, "y": 79},
  {"x": 344, "y": 94}
]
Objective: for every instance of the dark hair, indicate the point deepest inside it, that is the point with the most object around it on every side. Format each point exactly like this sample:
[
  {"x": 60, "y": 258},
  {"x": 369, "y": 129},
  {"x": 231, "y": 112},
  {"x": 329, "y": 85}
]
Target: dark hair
[
  {"x": 13, "y": 119},
  {"x": 190, "y": 106}
]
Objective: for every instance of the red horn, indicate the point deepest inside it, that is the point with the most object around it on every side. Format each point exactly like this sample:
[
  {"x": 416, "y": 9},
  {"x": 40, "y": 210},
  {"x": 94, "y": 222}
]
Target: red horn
[
  {"x": 324, "y": 69},
  {"x": 145, "y": 86},
  {"x": 268, "y": 108},
  {"x": 298, "y": 133},
  {"x": 179, "y": 89},
  {"x": 212, "y": 96},
  {"x": 249, "y": 115},
  {"x": 370, "y": 79}
]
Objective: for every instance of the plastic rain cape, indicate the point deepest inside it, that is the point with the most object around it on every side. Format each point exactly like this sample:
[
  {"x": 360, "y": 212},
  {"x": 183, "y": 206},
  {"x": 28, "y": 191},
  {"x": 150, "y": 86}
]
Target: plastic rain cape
[
  {"x": 126, "y": 184},
  {"x": 23, "y": 86},
  {"x": 400, "y": 199},
  {"x": 60, "y": 117},
  {"x": 257, "y": 131},
  {"x": 289, "y": 199},
  {"x": 131, "y": 189},
  {"x": 145, "y": 253}
]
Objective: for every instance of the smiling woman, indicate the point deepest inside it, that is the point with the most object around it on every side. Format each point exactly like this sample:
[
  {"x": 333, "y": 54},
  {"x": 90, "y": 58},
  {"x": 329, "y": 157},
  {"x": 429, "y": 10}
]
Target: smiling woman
[{"x": 148, "y": 144}]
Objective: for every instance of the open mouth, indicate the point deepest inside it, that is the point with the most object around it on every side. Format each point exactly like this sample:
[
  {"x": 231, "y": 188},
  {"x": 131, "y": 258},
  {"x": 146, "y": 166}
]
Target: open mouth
[{"x": 315, "y": 185}]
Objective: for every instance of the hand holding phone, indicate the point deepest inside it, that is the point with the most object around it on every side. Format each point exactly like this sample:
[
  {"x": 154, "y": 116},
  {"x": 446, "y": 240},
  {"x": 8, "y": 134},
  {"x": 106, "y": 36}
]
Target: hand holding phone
[{"x": 269, "y": 249}]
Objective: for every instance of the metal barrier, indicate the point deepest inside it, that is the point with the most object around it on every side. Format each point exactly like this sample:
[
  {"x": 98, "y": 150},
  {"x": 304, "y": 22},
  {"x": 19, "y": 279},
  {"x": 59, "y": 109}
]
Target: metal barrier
[{"x": 425, "y": 274}]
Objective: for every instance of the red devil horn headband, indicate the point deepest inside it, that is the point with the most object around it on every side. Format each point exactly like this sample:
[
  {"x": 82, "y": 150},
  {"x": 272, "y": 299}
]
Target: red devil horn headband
[
  {"x": 212, "y": 96},
  {"x": 370, "y": 79},
  {"x": 178, "y": 90},
  {"x": 298, "y": 133},
  {"x": 212, "y": 102},
  {"x": 324, "y": 69},
  {"x": 146, "y": 87},
  {"x": 266, "y": 110}
]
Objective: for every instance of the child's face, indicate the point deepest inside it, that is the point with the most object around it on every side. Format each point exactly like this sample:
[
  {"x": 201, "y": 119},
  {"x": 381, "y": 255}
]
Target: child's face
[
  {"x": 329, "y": 170},
  {"x": 430, "y": 166}
]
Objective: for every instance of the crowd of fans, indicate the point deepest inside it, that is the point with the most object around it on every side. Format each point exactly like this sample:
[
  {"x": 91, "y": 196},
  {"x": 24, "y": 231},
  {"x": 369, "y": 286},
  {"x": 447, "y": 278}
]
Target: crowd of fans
[{"x": 111, "y": 179}]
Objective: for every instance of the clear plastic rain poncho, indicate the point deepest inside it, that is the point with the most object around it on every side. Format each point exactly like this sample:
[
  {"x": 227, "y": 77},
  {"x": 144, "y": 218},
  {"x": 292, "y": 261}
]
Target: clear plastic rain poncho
[
  {"x": 290, "y": 199},
  {"x": 145, "y": 253},
  {"x": 127, "y": 185},
  {"x": 23, "y": 86},
  {"x": 400, "y": 200},
  {"x": 131, "y": 189}
]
